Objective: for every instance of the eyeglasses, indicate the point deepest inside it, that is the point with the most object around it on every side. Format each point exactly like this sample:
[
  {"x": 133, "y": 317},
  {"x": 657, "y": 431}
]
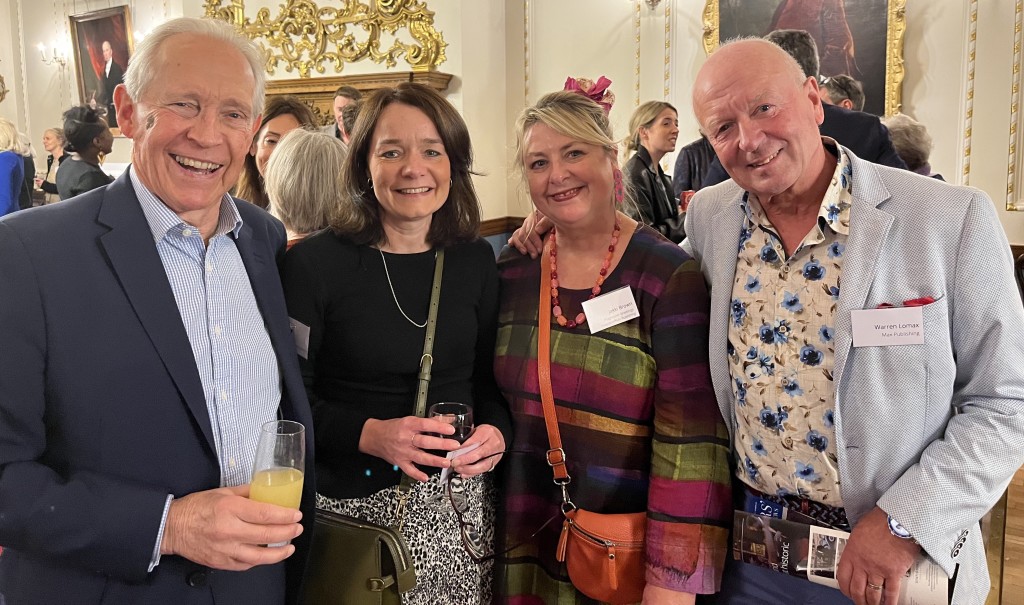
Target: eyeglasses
[{"x": 472, "y": 541}]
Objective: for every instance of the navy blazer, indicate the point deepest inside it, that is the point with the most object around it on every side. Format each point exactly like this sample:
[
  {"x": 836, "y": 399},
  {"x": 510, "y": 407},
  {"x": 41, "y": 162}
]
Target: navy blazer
[
  {"x": 102, "y": 412},
  {"x": 862, "y": 133}
]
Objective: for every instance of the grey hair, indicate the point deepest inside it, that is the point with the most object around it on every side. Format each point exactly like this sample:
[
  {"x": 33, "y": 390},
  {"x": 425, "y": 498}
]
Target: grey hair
[
  {"x": 800, "y": 45},
  {"x": 142, "y": 68},
  {"x": 303, "y": 179},
  {"x": 910, "y": 138}
]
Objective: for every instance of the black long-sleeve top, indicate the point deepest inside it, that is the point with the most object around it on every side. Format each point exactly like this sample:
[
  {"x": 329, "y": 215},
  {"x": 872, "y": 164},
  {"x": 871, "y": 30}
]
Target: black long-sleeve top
[{"x": 363, "y": 355}]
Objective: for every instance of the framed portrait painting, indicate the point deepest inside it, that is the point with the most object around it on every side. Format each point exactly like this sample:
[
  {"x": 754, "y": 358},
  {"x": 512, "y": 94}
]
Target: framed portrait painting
[
  {"x": 859, "y": 38},
  {"x": 103, "y": 43}
]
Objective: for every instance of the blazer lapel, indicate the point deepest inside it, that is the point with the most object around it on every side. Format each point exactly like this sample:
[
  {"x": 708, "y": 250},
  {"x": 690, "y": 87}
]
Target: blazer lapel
[
  {"x": 722, "y": 269},
  {"x": 129, "y": 246},
  {"x": 869, "y": 226}
]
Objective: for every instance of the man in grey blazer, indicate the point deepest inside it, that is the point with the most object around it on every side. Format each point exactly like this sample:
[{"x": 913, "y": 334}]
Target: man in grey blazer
[
  {"x": 865, "y": 338},
  {"x": 344, "y": 96}
]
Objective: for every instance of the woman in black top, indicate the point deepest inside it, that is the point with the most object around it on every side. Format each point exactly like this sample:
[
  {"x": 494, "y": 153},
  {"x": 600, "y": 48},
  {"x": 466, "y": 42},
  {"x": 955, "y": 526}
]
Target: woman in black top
[
  {"x": 362, "y": 288},
  {"x": 653, "y": 131},
  {"x": 87, "y": 137}
]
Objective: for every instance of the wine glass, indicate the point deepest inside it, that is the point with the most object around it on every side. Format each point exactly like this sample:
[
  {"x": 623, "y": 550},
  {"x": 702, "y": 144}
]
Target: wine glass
[
  {"x": 280, "y": 463},
  {"x": 459, "y": 415}
]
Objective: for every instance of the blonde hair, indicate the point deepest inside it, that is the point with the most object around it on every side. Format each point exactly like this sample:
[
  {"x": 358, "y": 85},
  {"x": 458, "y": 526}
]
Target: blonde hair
[
  {"x": 569, "y": 114},
  {"x": 644, "y": 117},
  {"x": 9, "y": 137},
  {"x": 303, "y": 179}
]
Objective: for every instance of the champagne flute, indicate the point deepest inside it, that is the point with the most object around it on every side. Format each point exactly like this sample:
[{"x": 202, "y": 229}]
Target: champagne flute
[
  {"x": 459, "y": 415},
  {"x": 280, "y": 463}
]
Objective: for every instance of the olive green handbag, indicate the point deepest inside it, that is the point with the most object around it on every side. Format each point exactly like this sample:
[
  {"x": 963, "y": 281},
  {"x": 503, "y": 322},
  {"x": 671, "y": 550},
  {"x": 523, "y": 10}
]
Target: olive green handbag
[{"x": 352, "y": 561}]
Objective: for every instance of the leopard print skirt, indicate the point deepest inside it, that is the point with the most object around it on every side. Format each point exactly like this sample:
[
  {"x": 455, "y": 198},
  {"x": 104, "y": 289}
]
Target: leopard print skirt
[{"x": 445, "y": 573}]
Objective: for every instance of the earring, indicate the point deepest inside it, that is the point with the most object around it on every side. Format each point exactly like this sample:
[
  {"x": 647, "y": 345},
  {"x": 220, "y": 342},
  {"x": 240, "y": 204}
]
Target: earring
[
  {"x": 620, "y": 192},
  {"x": 369, "y": 182}
]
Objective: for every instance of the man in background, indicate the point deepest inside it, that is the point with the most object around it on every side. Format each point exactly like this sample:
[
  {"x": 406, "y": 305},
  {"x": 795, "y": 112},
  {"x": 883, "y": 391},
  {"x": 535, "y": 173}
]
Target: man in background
[
  {"x": 111, "y": 76},
  {"x": 864, "y": 345},
  {"x": 145, "y": 342},
  {"x": 345, "y": 95}
]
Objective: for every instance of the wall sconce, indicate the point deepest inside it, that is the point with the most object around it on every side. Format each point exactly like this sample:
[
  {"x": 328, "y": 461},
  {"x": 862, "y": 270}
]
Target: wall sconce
[{"x": 56, "y": 57}]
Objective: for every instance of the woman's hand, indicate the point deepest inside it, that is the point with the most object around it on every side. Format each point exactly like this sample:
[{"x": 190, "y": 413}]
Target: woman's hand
[
  {"x": 405, "y": 442},
  {"x": 480, "y": 460}
]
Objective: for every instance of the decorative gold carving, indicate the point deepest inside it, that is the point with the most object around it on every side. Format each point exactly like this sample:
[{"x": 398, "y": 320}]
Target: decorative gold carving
[
  {"x": 3, "y": 89},
  {"x": 896, "y": 25},
  {"x": 1012, "y": 159},
  {"x": 318, "y": 93},
  {"x": 305, "y": 37}
]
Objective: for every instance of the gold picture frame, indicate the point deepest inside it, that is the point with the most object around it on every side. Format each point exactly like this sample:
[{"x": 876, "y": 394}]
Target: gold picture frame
[
  {"x": 878, "y": 62},
  {"x": 89, "y": 33}
]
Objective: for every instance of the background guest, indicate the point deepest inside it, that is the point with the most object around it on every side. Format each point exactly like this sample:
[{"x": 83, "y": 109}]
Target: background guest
[
  {"x": 640, "y": 425},
  {"x": 53, "y": 143},
  {"x": 691, "y": 164},
  {"x": 348, "y": 120},
  {"x": 303, "y": 180},
  {"x": 87, "y": 137},
  {"x": 12, "y": 168},
  {"x": 344, "y": 96},
  {"x": 28, "y": 159},
  {"x": 842, "y": 90},
  {"x": 912, "y": 142},
  {"x": 363, "y": 289},
  {"x": 653, "y": 129},
  {"x": 281, "y": 115}
]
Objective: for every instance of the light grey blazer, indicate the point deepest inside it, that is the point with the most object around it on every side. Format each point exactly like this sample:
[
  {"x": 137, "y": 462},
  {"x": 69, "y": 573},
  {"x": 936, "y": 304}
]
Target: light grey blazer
[{"x": 930, "y": 433}]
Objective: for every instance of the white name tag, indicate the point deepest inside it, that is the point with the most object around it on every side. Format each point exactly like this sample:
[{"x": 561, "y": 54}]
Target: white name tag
[
  {"x": 610, "y": 309},
  {"x": 300, "y": 332},
  {"x": 888, "y": 327}
]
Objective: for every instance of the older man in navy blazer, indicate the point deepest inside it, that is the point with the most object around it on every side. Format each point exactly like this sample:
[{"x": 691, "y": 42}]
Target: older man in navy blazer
[
  {"x": 865, "y": 338},
  {"x": 145, "y": 341}
]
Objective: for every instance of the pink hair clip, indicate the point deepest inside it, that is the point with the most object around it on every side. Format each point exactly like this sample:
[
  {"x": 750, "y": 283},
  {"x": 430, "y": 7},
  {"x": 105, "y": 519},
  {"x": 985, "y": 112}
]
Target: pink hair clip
[{"x": 595, "y": 91}]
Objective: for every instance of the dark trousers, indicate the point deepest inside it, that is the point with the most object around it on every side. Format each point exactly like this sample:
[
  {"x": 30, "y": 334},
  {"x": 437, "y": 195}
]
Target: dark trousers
[{"x": 745, "y": 584}]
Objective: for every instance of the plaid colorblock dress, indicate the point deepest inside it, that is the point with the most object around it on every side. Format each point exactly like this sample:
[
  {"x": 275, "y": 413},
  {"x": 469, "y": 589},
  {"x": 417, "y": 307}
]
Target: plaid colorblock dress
[{"x": 639, "y": 424}]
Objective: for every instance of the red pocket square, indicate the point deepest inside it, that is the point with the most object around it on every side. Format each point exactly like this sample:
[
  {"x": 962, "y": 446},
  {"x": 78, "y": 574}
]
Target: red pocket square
[{"x": 913, "y": 302}]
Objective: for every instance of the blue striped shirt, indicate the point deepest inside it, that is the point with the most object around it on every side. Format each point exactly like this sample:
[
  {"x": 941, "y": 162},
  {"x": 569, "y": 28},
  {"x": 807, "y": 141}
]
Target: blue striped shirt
[{"x": 236, "y": 361}]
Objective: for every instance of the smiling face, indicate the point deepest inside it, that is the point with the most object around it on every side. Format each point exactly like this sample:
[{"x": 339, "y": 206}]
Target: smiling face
[
  {"x": 660, "y": 137},
  {"x": 270, "y": 134},
  {"x": 761, "y": 116},
  {"x": 409, "y": 166},
  {"x": 571, "y": 182},
  {"x": 192, "y": 127}
]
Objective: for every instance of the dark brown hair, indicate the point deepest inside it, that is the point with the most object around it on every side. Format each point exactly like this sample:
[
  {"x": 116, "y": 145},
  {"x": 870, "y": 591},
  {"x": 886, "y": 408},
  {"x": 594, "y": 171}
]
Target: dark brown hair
[
  {"x": 358, "y": 216},
  {"x": 250, "y": 183}
]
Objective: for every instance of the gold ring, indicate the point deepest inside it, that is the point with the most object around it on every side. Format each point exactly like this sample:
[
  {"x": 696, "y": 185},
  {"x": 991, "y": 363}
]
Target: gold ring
[{"x": 875, "y": 586}]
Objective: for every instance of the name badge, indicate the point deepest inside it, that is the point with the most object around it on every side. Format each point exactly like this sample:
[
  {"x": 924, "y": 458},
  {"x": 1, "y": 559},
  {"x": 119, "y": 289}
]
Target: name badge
[
  {"x": 888, "y": 327},
  {"x": 610, "y": 309},
  {"x": 300, "y": 332}
]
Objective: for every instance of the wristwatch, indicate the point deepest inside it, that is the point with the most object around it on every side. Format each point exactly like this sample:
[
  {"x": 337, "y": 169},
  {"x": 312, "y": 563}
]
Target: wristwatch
[{"x": 898, "y": 530}]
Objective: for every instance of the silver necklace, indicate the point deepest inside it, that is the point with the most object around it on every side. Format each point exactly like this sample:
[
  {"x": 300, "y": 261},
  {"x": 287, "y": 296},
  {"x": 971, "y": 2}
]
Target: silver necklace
[{"x": 393, "y": 296}]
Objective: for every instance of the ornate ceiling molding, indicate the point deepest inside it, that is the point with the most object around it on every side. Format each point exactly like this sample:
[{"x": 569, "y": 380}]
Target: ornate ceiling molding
[{"x": 305, "y": 37}]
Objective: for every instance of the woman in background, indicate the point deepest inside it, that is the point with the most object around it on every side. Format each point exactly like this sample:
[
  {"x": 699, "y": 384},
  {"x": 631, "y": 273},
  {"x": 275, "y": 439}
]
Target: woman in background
[
  {"x": 303, "y": 181},
  {"x": 281, "y": 115},
  {"x": 53, "y": 143},
  {"x": 363, "y": 288},
  {"x": 12, "y": 168},
  {"x": 653, "y": 130},
  {"x": 88, "y": 137},
  {"x": 640, "y": 426}
]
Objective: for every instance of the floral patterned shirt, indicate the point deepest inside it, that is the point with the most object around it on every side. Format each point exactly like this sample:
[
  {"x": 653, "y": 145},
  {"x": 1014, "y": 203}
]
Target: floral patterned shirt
[{"x": 781, "y": 348}]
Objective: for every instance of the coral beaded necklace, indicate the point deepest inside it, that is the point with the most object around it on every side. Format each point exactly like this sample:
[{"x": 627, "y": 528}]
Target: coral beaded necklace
[{"x": 556, "y": 307}]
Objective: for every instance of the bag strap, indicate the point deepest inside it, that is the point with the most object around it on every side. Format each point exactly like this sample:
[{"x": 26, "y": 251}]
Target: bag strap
[
  {"x": 556, "y": 454},
  {"x": 426, "y": 361}
]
